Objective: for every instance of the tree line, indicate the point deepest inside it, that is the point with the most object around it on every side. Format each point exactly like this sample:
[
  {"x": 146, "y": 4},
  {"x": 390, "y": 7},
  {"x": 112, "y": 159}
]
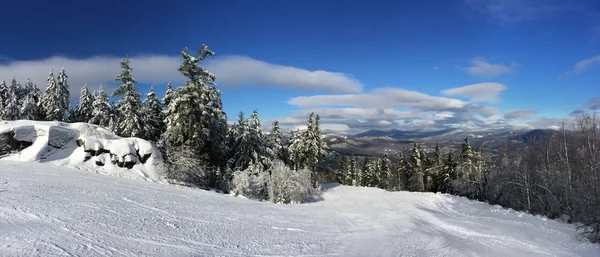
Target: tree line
[
  {"x": 556, "y": 176},
  {"x": 189, "y": 127}
]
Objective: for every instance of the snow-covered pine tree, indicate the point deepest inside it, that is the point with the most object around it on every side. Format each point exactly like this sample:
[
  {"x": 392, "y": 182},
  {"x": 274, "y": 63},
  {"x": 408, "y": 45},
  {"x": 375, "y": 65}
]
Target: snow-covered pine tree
[
  {"x": 195, "y": 123},
  {"x": 278, "y": 149},
  {"x": 296, "y": 150},
  {"x": 401, "y": 176},
  {"x": 154, "y": 118},
  {"x": 85, "y": 107},
  {"x": 4, "y": 95},
  {"x": 17, "y": 90},
  {"x": 129, "y": 105},
  {"x": 313, "y": 146},
  {"x": 351, "y": 178},
  {"x": 29, "y": 108},
  {"x": 385, "y": 173},
  {"x": 416, "y": 172},
  {"x": 448, "y": 173},
  {"x": 437, "y": 165},
  {"x": 12, "y": 109},
  {"x": 49, "y": 106},
  {"x": 465, "y": 166},
  {"x": 100, "y": 109},
  {"x": 342, "y": 171},
  {"x": 250, "y": 146},
  {"x": 168, "y": 96},
  {"x": 63, "y": 95},
  {"x": 366, "y": 173}
]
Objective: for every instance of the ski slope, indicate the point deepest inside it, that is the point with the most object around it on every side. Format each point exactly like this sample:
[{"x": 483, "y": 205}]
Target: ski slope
[{"x": 48, "y": 210}]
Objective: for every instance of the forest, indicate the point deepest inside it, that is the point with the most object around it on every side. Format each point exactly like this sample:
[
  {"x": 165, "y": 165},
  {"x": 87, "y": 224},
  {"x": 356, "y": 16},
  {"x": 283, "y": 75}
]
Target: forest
[{"x": 557, "y": 176}]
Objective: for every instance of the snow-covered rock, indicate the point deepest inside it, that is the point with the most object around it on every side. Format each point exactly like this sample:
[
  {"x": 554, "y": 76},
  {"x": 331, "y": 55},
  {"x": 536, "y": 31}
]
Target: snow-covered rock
[{"x": 80, "y": 145}]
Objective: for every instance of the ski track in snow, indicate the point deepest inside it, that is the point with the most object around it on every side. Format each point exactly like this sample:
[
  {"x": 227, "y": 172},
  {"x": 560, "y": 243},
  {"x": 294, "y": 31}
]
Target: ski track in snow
[{"x": 49, "y": 210}]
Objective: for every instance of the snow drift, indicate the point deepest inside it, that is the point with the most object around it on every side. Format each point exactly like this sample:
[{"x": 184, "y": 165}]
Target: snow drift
[
  {"x": 80, "y": 145},
  {"x": 50, "y": 211}
]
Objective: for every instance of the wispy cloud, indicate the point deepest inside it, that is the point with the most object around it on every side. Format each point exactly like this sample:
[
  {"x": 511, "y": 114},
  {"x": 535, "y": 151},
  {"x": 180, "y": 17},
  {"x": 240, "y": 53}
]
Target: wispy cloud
[
  {"x": 484, "y": 92},
  {"x": 231, "y": 71},
  {"x": 241, "y": 70},
  {"x": 582, "y": 66},
  {"x": 481, "y": 67},
  {"x": 518, "y": 114},
  {"x": 387, "y": 108},
  {"x": 513, "y": 11}
]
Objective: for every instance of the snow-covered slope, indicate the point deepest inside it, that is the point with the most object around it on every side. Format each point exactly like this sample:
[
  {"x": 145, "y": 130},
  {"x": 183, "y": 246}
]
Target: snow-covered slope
[
  {"x": 79, "y": 145},
  {"x": 47, "y": 210}
]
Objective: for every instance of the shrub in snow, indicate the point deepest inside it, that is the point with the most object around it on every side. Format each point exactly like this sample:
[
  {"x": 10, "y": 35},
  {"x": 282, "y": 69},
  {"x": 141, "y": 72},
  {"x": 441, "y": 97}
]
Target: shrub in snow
[
  {"x": 279, "y": 184},
  {"x": 289, "y": 186},
  {"x": 250, "y": 183}
]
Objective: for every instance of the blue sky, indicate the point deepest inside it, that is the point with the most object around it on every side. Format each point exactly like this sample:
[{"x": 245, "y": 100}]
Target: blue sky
[{"x": 361, "y": 65}]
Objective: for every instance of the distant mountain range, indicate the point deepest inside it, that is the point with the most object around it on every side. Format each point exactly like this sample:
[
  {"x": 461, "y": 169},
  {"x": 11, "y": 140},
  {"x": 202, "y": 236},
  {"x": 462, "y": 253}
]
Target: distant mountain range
[{"x": 378, "y": 142}]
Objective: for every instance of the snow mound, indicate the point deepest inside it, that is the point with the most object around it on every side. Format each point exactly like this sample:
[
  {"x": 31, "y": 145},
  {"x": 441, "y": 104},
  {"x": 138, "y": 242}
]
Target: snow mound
[
  {"x": 45, "y": 211},
  {"x": 82, "y": 146}
]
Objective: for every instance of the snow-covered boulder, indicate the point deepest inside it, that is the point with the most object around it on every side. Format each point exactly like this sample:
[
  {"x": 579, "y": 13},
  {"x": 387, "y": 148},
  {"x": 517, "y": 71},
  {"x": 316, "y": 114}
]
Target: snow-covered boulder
[{"x": 81, "y": 145}]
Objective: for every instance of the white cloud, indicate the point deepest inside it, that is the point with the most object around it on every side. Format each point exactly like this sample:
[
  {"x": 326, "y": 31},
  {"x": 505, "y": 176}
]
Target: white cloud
[
  {"x": 481, "y": 67},
  {"x": 518, "y": 114},
  {"x": 381, "y": 98},
  {"x": 388, "y": 108},
  {"x": 240, "y": 70},
  {"x": 582, "y": 66},
  {"x": 484, "y": 92},
  {"x": 159, "y": 69}
]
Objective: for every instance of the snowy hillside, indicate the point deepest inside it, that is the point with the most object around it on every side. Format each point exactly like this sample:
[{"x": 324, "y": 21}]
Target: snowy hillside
[
  {"x": 79, "y": 145},
  {"x": 47, "y": 210}
]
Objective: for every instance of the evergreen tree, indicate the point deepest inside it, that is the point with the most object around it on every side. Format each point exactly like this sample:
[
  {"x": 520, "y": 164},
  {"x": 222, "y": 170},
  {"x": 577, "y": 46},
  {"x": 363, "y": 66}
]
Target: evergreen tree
[
  {"x": 129, "y": 105},
  {"x": 4, "y": 95},
  {"x": 313, "y": 146},
  {"x": 153, "y": 116},
  {"x": 437, "y": 165},
  {"x": 250, "y": 146},
  {"x": 12, "y": 110},
  {"x": 168, "y": 97},
  {"x": 449, "y": 173},
  {"x": 195, "y": 123},
  {"x": 385, "y": 173},
  {"x": 416, "y": 173},
  {"x": 84, "y": 109},
  {"x": 296, "y": 150},
  {"x": 29, "y": 108},
  {"x": 402, "y": 174},
  {"x": 49, "y": 104},
  {"x": 465, "y": 167},
  {"x": 17, "y": 90},
  {"x": 366, "y": 173},
  {"x": 352, "y": 178},
  {"x": 101, "y": 109},
  {"x": 63, "y": 95},
  {"x": 277, "y": 147},
  {"x": 342, "y": 172}
]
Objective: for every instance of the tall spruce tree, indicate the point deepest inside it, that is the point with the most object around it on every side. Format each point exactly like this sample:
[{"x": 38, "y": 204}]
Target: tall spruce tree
[
  {"x": 49, "y": 104},
  {"x": 276, "y": 144},
  {"x": 153, "y": 116},
  {"x": 313, "y": 146},
  {"x": 4, "y": 94},
  {"x": 12, "y": 111},
  {"x": 85, "y": 107},
  {"x": 101, "y": 109},
  {"x": 168, "y": 96},
  {"x": 196, "y": 123},
  {"x": 416, "y": 182},
  {"x": 402, "y": 174},
  {"x": 385, "y": 173},
  {"x": 296, "y": 150},
  {"x": 342, "y": 171},
  {"x": 63, "y": 95},
  {"x": 351, "y": 179},
  {"x": 29, "y": 108},
  {"x": 250, "y": 146},
  {"x": 128, "y": 108}
]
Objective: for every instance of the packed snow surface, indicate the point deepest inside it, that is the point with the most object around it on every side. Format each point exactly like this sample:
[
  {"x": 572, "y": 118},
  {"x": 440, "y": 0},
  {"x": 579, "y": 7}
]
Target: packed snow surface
[
  {"x": 56, "y": 143},
  {"x": 47, "y": 210}
]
